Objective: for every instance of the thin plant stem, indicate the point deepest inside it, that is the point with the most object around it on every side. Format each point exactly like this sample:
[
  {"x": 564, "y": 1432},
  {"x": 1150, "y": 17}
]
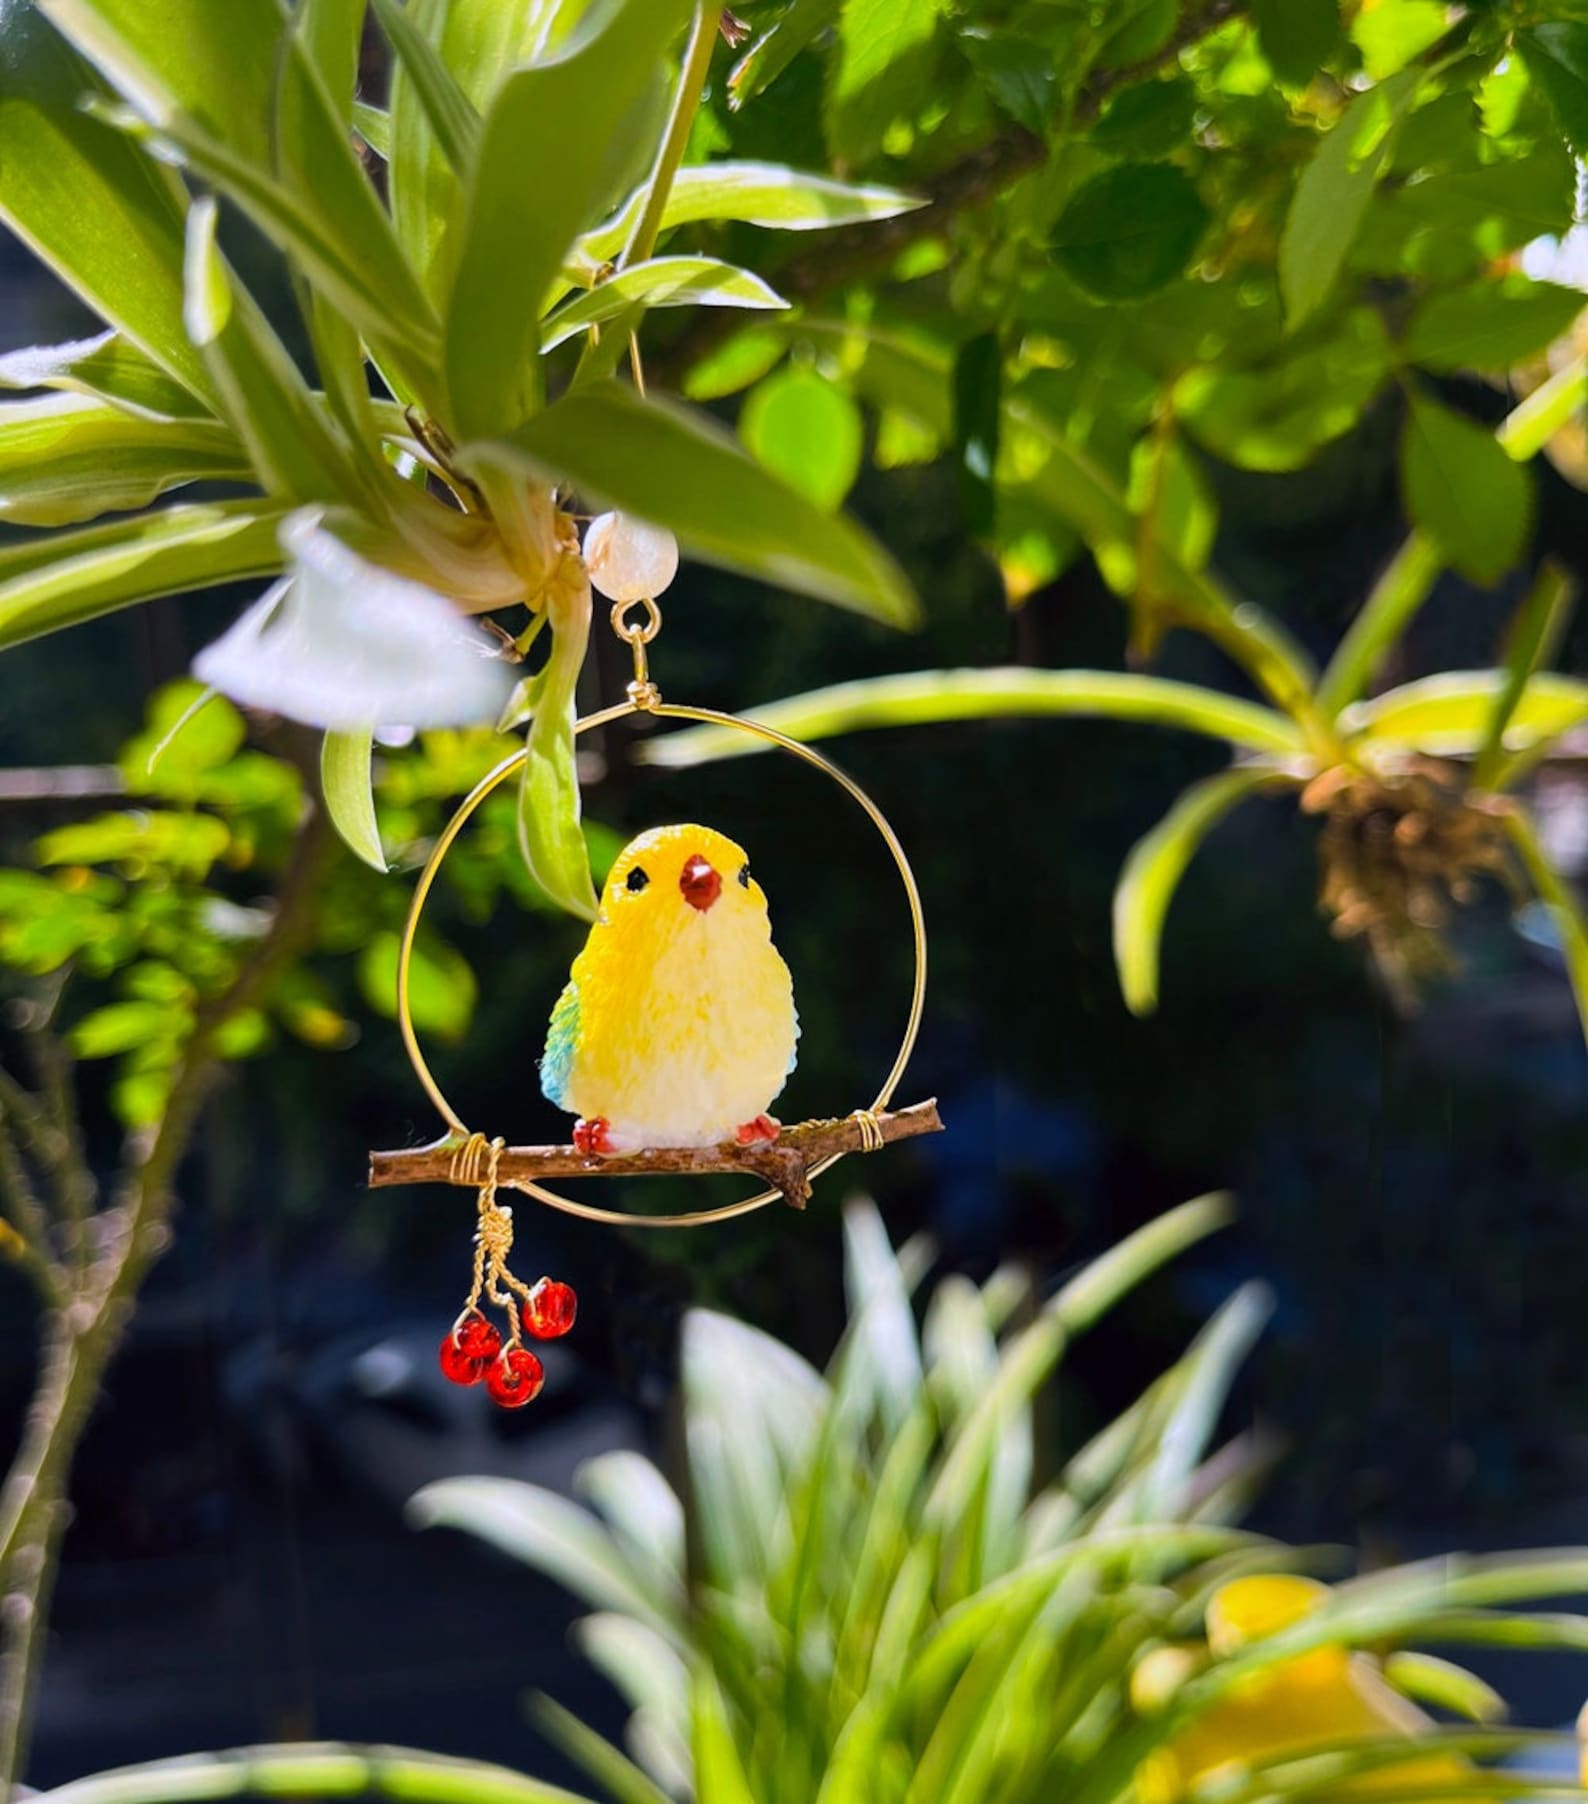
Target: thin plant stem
[{"x": 691, "y": 85}]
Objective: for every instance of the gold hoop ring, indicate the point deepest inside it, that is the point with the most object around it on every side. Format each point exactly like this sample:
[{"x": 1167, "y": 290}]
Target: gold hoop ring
[{"x": 492, "y": 780}]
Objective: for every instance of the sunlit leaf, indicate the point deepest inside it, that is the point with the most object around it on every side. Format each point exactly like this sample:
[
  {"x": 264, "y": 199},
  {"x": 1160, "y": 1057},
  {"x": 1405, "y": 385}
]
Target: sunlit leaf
[
  {"x": 918, "y": 697},
  {"x": 70, "y": 577},
  {"x": 548, "y": 796},
  {"x": 87, "y": 201},
  {"x": 107, "y": 367},
  {"x": 569, "y": 114},
  {"x": 806, "y": 430},
  {"x": 1472, "y": 500},
  {"x": 66, "y": 458},
  {"x": 345, "y": 781},
  {"x": 1335, "y": 191},
  {"x": 678, "y": 469},
  {"x": 1154, "y": 869},
  {"x": 887, "y": 50},
  {"x": 441, "y": 987},
  {"x": 661, "y": 282}
]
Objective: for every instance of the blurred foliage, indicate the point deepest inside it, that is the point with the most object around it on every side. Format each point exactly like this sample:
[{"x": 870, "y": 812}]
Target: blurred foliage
[{"x": 886, "y": 1584}]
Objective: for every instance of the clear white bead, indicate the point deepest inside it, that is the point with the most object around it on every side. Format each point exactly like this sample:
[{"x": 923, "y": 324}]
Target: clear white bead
[{"x": 628, "y": 560}]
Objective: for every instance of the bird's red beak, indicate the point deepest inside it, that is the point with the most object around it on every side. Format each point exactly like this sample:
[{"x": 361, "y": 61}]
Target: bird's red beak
[{"x": 700, "y": 883}]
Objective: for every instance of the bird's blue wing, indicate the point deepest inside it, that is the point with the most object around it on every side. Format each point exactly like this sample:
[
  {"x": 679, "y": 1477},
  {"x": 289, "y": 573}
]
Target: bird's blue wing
[
  {"x": 794, "y": 1050},
  {"x": 561, "y": 1038}
]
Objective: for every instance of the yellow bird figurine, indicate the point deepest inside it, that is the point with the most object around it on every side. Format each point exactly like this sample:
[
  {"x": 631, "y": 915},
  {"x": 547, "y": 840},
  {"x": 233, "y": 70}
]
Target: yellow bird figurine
[{"x": 677, "y": 1027}]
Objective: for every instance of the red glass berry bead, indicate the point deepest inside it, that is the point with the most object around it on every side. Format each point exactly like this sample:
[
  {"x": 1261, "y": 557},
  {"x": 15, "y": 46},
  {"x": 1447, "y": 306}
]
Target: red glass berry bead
[
  {"x": 550, "y": 1309},
  {"x": 461, "y": 1367},
  {"x": 515, "y": 1378},
  {"x": 477, "y": 1337}
]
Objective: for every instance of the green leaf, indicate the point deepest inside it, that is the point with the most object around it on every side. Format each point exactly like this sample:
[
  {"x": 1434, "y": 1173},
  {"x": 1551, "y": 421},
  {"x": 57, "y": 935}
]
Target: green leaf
[
  {"x": 1444, "y": 1685},
  {"x": 1535, "y": 635},
  {"x": 1463, "y": 491},
  {"x": 70, "y": 577},
  {"x": 1148, "y": 119},
  {"x": 678, "y": 469},
  {"x": 373, "y": 125},
  {"x": 1170, "y": 493},
  {"x": 65, "y": 458},
  {"x": 296, "y": 454},
  {"x": 123, "y": 1027},
  {"x": 802, "y": 22},
  {"x": 887, "y": 54},
  {"x": 549, "y": 837},
  {"x": 316, "y": 1771},
  {"x": 277, "y": 148},
  {"x": 759, "y": 194},
  {"x": 1562, "y": 901},
  {"x": 929, "y": 696},
  {"x": 109, "y": 367},
  {"x": 1017, "y": 72},
  {"x": 978, "y": 413},
  {"x": 661, "y": 282},
  {"x": 806, "y": 430},
  {"x": 1556, "y": 56},
  {"x": 87, "y": 202},
  {"x": 1449, "y": 715},
  {"x": 552, "y": 1535},
  {"x": 1491, "y": 325},
  {"x": 556, "y": 124},
  {"x": 1335, "y": 191},
  {"x": 331, "y": 32},
  {"x": 188, "y": 844},
  {"x": 1297, "y": 36},
  {"x": 349, "y": 798},
  {"x": 734, "y": 364},
  {"x": 1130, "y": 231},
  {"x": 1392, "y": 32},
  {"x": 448, "y": 111},
  {"x": 441, "y": 987},
  {"x": 1154, "y": 868},
  {"x": 1277, "y": 414}
]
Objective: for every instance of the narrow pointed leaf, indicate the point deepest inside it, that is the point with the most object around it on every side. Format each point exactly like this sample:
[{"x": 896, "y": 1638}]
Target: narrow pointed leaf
[
  {"x": 295, "y": 452},
  {"x": 64, "y": 578},
  {"x": 661, "y": 282},
  {"x": 88, "y": 202},
  {"x": 571, "y": 115},
  {"x": 108, "y": 367},
  {"x": 1561, "y": 899},
  {"x": 349, "y": 798},
  {"x": 549, "y": 834},
  {"x": 918, "y": 697},
  {"x": 65, "y": 459},
  {"x": 1449, "y": 715},
  {"x": 1535, "y": 634},
  {"x": 679, "y": 469},
  {"x": 759, "y": 194},
  {"x": 1154, "y": 868},
  {"x": 448, "y": 111}
]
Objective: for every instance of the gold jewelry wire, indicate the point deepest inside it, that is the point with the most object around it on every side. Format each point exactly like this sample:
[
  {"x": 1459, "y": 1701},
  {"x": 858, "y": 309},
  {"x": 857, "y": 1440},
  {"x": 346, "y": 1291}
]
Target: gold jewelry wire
[{"x": 708, "y": 717}]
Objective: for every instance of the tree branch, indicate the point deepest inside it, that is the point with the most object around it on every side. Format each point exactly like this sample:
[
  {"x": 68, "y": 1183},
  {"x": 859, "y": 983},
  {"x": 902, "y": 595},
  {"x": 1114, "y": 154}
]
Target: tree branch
[
  {"x": 82, "y": 1337},
  {"x": 783, "y": 1165}
]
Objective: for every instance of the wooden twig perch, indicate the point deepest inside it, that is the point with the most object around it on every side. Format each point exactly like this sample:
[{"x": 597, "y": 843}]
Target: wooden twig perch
[{"x": 783, "y": 1165}]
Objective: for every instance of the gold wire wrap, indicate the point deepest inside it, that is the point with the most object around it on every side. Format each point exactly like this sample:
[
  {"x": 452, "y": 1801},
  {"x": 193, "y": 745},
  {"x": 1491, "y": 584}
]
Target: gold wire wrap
[
  {"x": 871, "y": 1140},
  {"x": 492, "y": 780}
]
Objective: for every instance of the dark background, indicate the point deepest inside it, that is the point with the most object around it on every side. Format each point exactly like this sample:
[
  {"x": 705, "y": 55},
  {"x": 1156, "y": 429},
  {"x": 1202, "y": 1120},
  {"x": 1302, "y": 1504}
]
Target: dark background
[{"x": 1414, "y": 1190}]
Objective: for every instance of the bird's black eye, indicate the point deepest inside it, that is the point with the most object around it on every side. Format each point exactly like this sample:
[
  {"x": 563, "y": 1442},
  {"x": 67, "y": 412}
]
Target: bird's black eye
[
  {"x": 744, "y": 876},
  {"x": 637, "y": 878}
]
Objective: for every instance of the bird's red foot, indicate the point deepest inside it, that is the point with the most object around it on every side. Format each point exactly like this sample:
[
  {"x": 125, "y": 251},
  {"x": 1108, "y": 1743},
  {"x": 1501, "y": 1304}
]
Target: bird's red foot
[
  {"x": 764, "y": 1127},
  {"x": 594, "y": 1135}
]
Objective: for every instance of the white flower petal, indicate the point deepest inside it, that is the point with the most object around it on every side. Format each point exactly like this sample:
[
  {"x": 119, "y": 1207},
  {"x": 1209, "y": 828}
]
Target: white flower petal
[{"x": 340, "y": 642}]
